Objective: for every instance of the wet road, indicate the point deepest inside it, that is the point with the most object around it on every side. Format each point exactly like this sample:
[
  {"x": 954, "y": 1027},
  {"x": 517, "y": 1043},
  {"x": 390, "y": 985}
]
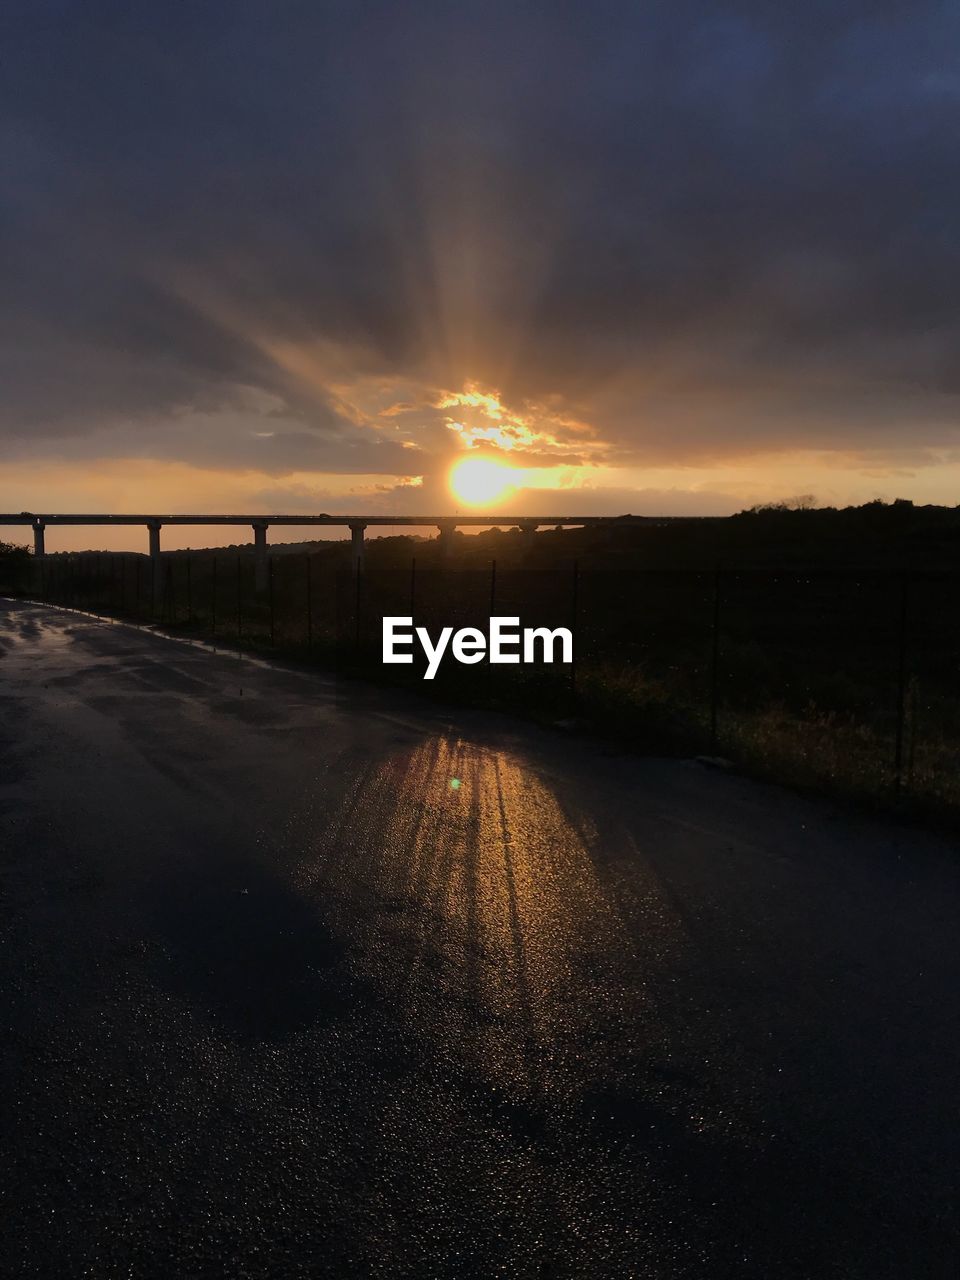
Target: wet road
[{"x": 278, "y": 997}]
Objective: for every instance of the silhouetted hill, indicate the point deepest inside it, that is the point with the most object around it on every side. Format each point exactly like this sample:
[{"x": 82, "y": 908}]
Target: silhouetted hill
[{"x": 876, "y": 535}]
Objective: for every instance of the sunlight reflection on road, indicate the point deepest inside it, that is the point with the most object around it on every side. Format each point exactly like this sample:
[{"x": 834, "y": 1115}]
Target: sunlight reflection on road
[{"x": 481, "y": 912}]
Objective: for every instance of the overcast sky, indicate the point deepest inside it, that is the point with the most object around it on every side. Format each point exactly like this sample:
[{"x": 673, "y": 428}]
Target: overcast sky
[{"x": 302, "y": 256}]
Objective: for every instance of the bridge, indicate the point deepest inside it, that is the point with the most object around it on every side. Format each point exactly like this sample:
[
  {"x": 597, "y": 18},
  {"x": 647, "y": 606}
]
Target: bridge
[{"x": 356, "y": 524}]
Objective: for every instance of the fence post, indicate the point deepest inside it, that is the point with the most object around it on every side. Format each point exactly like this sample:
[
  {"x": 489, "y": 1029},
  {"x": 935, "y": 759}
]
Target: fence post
[
  {"x": 189, "y": 589},
  {"x": 574, "y": 611},
  {"x": 901, "y": 681},
  {"x": 306, "y": 557},
  {"x": 715, "y": 658},
  {"x": 137, "y": 604},
  {"x": 213, "y": 599},
  {"x": 912, "y": 747},
  {"x": 356, "y": 607},
  {"x": 239, "y": 598},
  {"x": 270, "y": 560},
  {"x": 169, "y": 590}
]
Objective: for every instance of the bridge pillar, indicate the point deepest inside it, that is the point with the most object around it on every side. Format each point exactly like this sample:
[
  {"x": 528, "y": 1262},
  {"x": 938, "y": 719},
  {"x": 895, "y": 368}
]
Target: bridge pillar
[
  {"x": 38, "y": 543},
  {"x": 445, "y": 538},
  {"x": 261, "y": 567},
  {"x": 528, "y": 529},
  {"x": 153, "y": 528},
  {"x": 356, "y": 546}
]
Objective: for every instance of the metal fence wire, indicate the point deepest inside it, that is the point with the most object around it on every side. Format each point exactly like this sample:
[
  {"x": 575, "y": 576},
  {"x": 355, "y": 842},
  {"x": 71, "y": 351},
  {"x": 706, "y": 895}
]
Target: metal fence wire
[{"x": 831, "y": 674}]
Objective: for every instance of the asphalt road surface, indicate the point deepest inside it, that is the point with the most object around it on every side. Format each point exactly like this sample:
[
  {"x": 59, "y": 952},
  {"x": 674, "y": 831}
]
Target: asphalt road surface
[{"x": 308, "y": 980}]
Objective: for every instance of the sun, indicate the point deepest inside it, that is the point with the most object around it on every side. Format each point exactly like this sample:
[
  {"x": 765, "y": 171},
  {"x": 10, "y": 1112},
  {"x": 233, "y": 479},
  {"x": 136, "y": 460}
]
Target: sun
[{"x": 478, "y": 481}]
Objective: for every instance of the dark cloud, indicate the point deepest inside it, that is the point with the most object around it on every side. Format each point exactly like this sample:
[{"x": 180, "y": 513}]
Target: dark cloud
[{"x": 703, "y": 229}]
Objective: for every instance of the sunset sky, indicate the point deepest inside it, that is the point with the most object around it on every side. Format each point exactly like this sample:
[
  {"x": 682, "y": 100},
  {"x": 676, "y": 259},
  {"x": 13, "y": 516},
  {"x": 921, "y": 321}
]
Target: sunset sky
[{"x": 659, "y": 258}]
